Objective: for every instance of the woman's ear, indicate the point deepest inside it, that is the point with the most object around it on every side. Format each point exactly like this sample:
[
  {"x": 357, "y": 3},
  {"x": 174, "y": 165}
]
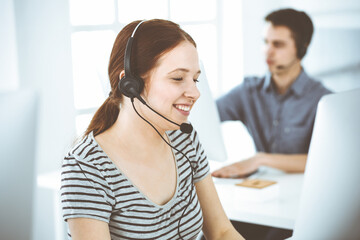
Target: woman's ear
[{"x": 122, "y": 74}]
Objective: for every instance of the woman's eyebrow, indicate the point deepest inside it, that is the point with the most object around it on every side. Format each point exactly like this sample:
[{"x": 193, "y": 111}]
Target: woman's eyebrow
[{"x": 183, "y": 70}]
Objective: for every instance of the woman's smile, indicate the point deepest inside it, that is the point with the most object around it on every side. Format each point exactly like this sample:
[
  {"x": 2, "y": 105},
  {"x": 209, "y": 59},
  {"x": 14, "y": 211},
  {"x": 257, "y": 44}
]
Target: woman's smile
[{"x": 183, "y": 108}]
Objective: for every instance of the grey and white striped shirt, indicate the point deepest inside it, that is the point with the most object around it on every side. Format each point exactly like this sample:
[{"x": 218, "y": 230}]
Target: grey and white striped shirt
[{"x": 93, "y": 187}]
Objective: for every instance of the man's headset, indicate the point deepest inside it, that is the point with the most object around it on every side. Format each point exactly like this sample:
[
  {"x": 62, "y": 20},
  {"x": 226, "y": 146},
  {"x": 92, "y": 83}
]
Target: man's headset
[
  {"x": 131, "y": 85},
  {"x": 301, "y": 50}
]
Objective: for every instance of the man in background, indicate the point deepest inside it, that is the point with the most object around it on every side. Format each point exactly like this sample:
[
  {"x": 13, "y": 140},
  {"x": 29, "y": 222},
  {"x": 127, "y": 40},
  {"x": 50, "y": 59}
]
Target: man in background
[{"x": 278, "y": 109}]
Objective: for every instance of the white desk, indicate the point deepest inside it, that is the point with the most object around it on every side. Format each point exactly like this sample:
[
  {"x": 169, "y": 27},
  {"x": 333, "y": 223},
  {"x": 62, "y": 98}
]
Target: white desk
[
  {"x": 52, "y": 182},
  {"x": 279, "y": 210}
]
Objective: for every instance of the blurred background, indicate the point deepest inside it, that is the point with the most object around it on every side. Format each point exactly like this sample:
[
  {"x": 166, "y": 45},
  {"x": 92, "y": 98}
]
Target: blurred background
[{"x": 60, "y": 49}]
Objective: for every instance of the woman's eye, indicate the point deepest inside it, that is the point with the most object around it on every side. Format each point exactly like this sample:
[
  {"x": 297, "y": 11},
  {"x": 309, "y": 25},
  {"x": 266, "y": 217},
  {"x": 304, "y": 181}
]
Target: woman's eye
[{"x": 180, "y": 79}]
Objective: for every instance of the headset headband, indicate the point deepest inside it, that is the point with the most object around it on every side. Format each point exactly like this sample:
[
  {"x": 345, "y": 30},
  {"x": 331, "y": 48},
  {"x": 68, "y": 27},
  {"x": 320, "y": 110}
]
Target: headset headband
[{"x": 128, "y": 49}]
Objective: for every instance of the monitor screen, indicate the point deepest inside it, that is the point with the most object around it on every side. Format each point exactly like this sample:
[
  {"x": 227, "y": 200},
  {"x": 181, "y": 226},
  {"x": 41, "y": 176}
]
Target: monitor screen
[{"x": 330, "y": 200}]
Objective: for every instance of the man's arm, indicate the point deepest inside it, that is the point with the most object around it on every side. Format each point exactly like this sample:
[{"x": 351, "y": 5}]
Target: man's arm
[{"x": 287, "y": 162}]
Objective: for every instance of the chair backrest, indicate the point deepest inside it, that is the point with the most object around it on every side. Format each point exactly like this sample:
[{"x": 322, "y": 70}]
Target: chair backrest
[{"x": 18, "y": 120}]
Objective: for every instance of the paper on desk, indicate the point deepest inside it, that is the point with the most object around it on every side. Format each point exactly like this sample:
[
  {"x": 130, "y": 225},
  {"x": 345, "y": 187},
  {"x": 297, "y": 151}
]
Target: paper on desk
[{"x": 232, "y": 188}]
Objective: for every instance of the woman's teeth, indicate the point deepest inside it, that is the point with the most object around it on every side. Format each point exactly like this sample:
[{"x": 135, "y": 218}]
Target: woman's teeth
[{"x": 183, "y": 107}]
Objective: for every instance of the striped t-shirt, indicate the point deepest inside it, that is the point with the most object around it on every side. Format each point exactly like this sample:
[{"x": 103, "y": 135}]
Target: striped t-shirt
[{"x": 93, "y": 187}]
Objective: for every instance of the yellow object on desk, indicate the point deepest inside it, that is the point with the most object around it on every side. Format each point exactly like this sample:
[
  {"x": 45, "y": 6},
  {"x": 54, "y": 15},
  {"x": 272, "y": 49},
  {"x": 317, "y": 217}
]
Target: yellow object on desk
[{"x": 256, "y": 183}]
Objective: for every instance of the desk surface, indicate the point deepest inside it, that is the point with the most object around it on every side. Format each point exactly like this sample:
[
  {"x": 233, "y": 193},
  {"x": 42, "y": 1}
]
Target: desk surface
[{"x": 279, "y": 205}]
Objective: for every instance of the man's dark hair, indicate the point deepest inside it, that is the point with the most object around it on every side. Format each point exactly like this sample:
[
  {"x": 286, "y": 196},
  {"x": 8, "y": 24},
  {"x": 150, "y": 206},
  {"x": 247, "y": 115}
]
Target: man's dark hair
[{"x": 299, "y": 24}]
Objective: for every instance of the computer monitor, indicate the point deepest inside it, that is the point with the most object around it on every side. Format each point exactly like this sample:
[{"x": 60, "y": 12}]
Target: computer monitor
[
  {"x": 330, "y": 200},
  {"x": 18, "y": 114},
  {"x": 206, "y": 121}
]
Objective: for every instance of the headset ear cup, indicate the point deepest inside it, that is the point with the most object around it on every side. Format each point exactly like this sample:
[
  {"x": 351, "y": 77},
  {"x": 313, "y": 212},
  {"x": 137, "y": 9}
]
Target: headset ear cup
[
  {"x": 127, "y": 85},
  {"x": 302, "y": 51}
]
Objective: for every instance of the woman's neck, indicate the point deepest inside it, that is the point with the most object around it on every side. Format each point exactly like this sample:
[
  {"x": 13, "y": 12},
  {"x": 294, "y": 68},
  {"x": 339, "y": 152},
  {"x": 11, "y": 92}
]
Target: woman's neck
[{"x": 132, "y": 133}]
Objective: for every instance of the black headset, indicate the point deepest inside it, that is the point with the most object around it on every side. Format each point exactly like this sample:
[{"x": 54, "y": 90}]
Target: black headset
[
  {"x": 301, "y": 50},
  {"x": 130, "y": 85}
]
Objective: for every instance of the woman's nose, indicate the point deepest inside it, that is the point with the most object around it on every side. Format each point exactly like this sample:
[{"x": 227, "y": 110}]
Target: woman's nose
[{"x": 192, "y": 91}]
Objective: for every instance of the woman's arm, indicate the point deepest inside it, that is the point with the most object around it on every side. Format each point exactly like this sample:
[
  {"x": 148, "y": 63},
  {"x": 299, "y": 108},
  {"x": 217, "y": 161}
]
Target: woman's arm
[
  {"x": 88, "y": 229},
  {"x": 216, "y": 223}
]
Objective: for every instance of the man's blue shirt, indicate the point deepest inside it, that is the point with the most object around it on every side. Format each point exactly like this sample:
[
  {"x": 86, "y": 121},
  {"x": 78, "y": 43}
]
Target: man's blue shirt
[{"x": 277, "y": 123}]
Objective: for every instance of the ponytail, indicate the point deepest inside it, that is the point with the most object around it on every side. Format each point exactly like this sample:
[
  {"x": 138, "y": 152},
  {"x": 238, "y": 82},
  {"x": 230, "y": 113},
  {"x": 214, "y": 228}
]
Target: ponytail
[{"x": 104, "y": 117}]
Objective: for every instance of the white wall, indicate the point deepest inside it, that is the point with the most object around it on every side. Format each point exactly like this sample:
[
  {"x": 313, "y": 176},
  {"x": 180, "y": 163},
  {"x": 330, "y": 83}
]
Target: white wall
[
  {"x": 36, "y": 53},
  {"x": 8, "y": 58},
  {"x": 44, "y": 56}
]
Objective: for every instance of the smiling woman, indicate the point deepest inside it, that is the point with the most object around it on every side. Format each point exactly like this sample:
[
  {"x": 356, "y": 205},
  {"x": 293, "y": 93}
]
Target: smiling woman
[
  {"x": 95, "y": 24},
  {"x": 122, "y": 181}
]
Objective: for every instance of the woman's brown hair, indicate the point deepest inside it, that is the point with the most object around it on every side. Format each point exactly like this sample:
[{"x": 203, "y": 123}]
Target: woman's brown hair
[{"x": 152, "y": 39}]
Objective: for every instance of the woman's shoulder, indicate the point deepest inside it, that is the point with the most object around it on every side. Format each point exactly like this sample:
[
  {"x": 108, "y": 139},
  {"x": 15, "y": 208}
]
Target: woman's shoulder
[
  {"x": 88, "y": 152},
  {"x": 88, "y": 160}
]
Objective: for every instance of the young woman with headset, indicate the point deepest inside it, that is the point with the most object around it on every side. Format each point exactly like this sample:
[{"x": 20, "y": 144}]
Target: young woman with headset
[{"x": 140, "y": 171}]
